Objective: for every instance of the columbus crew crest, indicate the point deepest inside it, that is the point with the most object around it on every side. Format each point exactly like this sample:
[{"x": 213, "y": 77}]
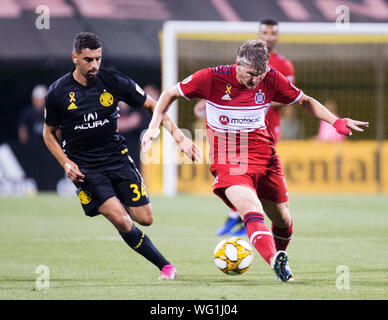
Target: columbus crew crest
[
  {"x": 85, "y": 197},
  {"x": 106, "y": 99}
]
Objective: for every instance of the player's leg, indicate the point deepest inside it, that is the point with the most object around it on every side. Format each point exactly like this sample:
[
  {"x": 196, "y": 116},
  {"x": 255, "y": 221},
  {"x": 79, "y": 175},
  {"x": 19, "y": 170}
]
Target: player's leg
[
  {"x": 233, "y": 220},
  {"x": 273, "y": 194},
  {"x": 272, "y": 191},
  {"x": 241, "y": 231},
  {"x": 142, "y": 214},
  {"x": 114, "y": 211},
  {"x": 282, "y": 227},
  {"x": 132, "y": 192},
  {"x": 245, "y": 200}
]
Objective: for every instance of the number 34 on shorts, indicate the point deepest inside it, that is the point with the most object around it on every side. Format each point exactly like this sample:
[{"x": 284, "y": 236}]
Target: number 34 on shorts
[{"x": 138, "y": 191}]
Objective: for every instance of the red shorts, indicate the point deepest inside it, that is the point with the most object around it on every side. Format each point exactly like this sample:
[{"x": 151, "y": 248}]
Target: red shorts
[{"x": 267, "y": 181}]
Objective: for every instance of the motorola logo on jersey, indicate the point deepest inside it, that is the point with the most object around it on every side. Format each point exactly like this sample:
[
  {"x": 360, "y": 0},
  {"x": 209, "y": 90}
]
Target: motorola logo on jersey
[
  {"x": 224, "y": 120},
  {"x": 245, "y": 120},
  {"x": 91, "y": 122}
]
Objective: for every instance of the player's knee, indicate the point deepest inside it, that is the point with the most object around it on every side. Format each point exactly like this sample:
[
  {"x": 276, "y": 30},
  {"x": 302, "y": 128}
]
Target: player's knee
[
  {"x": 146, "y": 221},
  {"x": 143, "y": 215},
  {"x": 284, "y": 220},
  {"x": 249, "y": 206},
  {"x": 147, "y": 218},
  {"x": 121, "y": 221}
]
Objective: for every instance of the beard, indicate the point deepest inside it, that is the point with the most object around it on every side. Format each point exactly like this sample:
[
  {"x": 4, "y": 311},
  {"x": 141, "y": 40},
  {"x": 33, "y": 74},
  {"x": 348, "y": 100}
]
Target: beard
[{"x": 90, "y": 75}]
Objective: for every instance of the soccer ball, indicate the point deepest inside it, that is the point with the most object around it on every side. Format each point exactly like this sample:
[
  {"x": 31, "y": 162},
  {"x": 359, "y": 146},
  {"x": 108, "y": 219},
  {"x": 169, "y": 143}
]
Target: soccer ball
[{"x": 233, "y": 256}]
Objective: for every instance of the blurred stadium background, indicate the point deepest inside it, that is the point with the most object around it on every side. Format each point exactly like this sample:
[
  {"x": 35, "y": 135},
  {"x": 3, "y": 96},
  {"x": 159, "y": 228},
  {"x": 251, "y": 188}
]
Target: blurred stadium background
[{"x": 349, "y": 72}]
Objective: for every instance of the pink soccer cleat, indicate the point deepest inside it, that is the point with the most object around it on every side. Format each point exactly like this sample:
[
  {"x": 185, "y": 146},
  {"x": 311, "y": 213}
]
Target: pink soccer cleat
[{"x": 168, "y": 272}]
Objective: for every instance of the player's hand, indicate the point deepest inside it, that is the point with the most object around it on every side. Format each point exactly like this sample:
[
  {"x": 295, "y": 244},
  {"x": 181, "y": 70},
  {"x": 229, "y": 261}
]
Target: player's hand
[
  {"x": 73, "y": 172},
  {"x": 190, "y": 149},
  {"x": 343, "y": 126},
  {"x": 150, "y": 135}
]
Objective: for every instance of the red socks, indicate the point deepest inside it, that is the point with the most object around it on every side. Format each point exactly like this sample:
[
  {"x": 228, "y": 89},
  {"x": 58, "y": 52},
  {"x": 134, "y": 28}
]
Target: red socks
[
  {"x": 259, "y": 235},
  {"x": 282, "y": 236}
]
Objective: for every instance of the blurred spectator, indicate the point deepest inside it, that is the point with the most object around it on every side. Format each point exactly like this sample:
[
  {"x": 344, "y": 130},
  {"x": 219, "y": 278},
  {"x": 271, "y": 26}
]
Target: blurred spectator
[
  {"x": 31, "y": 120},
  {"x": 326, "y": 131},
  {"x": 133, "y": 121},
  {"x": 292, "y": 127},
  {"x": 31, "y": 152}
]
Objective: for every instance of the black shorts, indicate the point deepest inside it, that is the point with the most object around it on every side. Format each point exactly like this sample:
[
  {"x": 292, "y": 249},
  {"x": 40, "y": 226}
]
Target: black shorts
[{"x": 124, "y": 182}]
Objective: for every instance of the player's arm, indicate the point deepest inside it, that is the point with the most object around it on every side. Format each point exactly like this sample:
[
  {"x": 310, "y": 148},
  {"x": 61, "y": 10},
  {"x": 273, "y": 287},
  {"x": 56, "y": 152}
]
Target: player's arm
[
  {"x": 342, "y": 125},
  {"x": 185, "y": 144},
  {"x": 196, "y": 85},
  {"x": 160, "y": 111},
  {"x": 52, "y": 143}
]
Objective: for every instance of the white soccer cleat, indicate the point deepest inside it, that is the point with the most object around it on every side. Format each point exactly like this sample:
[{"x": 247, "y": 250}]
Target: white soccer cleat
[
  {"x": 168, "y": 272},
  {"x": 279, "y": 264}
]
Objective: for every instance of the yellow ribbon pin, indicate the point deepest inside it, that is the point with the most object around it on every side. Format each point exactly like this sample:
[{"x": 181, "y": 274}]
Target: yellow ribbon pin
[
  {"x": 72, "y": 96},
  {"x": 228, "y": 87}
]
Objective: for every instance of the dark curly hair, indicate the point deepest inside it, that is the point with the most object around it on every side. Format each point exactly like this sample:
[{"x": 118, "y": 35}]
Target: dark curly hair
[{"x": 86, "y": 40}]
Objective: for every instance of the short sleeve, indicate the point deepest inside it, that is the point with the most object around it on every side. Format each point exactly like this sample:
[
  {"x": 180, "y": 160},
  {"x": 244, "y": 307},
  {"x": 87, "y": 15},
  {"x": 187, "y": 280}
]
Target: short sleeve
[
  {"x": 197, "y": 85},
  {"x": 130, "y": 92},
  {"x": 285, "y": 91},
  {"x": 51, "y": 114}
]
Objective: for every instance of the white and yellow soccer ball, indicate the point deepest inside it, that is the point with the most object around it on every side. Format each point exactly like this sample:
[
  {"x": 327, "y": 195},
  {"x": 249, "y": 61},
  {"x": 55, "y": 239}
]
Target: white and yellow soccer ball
[{"x": 233, "y": 256}]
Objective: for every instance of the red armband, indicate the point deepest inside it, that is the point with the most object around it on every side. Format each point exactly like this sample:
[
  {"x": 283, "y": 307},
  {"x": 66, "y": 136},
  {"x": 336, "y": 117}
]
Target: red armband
[{"x": 341, "y": 127}]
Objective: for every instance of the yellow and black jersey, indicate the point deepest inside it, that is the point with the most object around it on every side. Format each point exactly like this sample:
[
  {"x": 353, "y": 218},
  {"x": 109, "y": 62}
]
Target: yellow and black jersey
[{"x": 87, "y": 116}]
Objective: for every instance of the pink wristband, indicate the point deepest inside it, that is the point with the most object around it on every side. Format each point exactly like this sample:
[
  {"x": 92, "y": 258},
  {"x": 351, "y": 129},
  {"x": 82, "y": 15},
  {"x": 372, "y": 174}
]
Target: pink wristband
[{"x": 340, "y": 126}]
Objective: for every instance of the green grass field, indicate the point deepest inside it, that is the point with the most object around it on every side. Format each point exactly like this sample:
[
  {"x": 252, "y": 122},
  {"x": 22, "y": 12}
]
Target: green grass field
[{"x": 88, "y": 260}]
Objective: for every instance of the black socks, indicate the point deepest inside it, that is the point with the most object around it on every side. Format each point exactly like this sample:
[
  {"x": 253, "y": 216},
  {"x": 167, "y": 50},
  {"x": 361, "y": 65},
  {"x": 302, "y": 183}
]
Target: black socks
[{"x": 139, "y": 242}]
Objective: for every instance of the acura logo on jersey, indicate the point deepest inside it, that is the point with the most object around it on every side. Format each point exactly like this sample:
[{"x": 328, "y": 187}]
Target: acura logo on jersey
[
  {"x": 224, "y": 120},
  {"x": 91, "y": 122},
  {"x": 90, "y": 116}
]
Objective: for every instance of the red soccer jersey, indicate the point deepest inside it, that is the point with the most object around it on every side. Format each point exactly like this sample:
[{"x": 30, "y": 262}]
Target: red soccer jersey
[
  {"x": 235, "y": 115},
  {"x": 273, "y": 115}
]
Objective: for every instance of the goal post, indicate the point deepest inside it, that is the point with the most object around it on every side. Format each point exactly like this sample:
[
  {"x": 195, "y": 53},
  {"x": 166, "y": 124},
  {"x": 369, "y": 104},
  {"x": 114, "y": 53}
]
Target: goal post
[{"x": 187, "y": 46}]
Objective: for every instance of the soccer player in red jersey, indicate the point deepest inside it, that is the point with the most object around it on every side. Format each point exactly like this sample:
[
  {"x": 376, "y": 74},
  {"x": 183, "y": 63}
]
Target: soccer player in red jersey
[
  {"x": 248, "y": 172},
  {"x": 269, "y": 32}
]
